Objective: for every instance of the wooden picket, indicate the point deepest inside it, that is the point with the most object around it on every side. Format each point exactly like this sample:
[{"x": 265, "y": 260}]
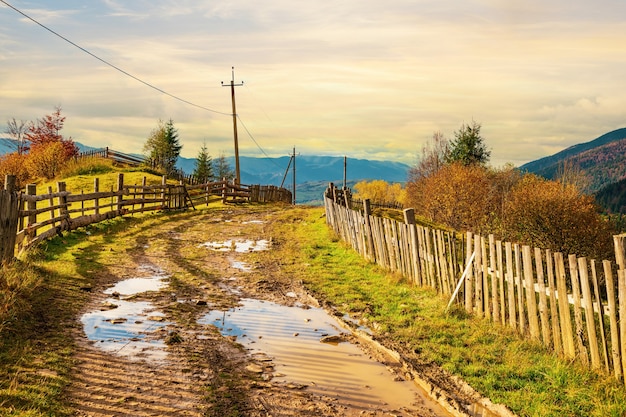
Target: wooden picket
[{"x": 574, "y": 309}]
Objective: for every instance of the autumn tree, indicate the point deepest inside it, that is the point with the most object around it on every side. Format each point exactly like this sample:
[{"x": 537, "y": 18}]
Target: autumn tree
[
  {"x": 203, "y": 171},
  {"x": 468, "y": 147},
  {"x": 379, "y": 192},
  {"x": 433, "y": 157},
  {"x": 458, "y": 196},
  {"x": 554, "y": 215},
  {"x": 16, "y": 130},
  {"x": 46, "y": 160},
  {"x": 46, "y": 131},
  {"x": 163, "y": 148},
  {"x": 15, "y": 164}
]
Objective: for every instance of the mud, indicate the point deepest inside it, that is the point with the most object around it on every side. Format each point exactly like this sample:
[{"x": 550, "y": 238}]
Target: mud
[{"x": 173, "y": 355}]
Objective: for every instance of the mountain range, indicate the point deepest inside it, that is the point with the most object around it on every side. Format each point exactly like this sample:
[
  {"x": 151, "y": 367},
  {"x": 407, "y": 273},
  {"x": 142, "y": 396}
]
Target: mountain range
[
  {"x": 601, "y": 161},
  {"x": 313, "y": 173},
  {"x": 602, "y": 164}
]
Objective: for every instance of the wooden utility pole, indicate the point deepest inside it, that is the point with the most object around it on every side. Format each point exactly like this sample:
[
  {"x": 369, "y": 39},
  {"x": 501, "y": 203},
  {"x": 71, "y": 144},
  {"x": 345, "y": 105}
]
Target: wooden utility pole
[
  {"x": 294, "y": 175},
  {"x": 345, "y": 172},
  {"x": 232, "y": 95}
]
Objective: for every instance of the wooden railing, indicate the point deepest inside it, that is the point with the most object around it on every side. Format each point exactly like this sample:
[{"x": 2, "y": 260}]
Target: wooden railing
[
  {"x": 573, "y": 305},
  {"x": 27, "y": 218}
]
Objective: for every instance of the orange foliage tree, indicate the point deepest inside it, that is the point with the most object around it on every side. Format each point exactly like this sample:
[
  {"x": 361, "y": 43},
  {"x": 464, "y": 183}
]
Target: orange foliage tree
[
  {"x": 47, "y": 130},
  {"x": 457, "y": 195},
  {"x": 379, "y": 191},
  {"x": 14, "y": 164},
  {"x": 45, "y": 161},
  {"x": 555, "y": 215}
]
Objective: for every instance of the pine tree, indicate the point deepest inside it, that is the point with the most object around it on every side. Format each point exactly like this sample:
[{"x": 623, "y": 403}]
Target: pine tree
[
  {"x": 468, "y": 147},
  {"x": 163, "y": 148},
  {"x": 203, "y": 171}
]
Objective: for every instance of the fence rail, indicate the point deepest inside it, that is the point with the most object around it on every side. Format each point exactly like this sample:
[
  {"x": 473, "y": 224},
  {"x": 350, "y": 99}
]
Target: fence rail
[
  {"x": 573, "y": 305},
  {"x": 28, "y": 218}
]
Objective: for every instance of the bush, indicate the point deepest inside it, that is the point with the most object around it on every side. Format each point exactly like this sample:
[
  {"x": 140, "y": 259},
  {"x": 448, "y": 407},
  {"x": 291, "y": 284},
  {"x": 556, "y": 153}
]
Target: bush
[
  {"x": 550, "y": 214},
  {"x": 46, "y": 161},
  {"x": 14, "y": 164},
  {"x": 86, "y": 166},
  {"x": 457, "y": 196}
]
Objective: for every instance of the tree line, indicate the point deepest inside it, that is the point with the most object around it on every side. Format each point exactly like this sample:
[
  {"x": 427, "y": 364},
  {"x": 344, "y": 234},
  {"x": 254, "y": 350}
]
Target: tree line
[{"x": 42, "y": 152}]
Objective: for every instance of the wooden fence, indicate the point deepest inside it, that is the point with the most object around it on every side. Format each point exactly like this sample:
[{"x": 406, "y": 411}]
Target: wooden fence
[
  {"x": 573, "y": 305},
  {"x": 27, "y": 218}
]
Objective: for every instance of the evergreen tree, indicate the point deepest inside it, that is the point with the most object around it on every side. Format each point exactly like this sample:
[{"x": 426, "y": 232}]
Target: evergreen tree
[
  {"x": 204, "y": 166},
  {"x": 163, "y": 148},
  {"x": 468, "y": 147},
  {"x": 222, "y": 168}
]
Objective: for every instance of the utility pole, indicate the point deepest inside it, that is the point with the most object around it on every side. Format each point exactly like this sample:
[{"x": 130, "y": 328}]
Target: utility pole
[
  {"x": 232, "y": 95},
  {"x": 294, "y": 176},
  {"x": 291, "y": 159}
]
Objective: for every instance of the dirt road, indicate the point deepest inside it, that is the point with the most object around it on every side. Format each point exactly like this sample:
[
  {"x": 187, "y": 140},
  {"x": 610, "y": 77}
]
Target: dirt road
[{"x": 149, "y": 353}]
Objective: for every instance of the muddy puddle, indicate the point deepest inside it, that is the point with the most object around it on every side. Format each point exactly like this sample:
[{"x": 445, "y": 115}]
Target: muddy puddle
[
  {"x": 240, "y": 246},
  {"x": 307, "y": 348},
  {"x": 127, "y": 327}
]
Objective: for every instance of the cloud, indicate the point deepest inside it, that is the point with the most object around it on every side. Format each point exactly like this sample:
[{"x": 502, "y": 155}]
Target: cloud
[{"x": 363, "y": 79}]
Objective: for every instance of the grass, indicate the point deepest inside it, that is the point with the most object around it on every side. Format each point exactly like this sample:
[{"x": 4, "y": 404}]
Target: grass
[
  {"x": 494, "y": 360},
  {"x": 44, "y": 291},
  {"x": 42, "y": 294}
]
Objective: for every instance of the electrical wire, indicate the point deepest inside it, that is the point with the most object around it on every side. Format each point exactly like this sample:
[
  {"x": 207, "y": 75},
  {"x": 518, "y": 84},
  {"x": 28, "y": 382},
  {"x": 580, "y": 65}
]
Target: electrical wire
[
  {"x": 137, "y": 78},
  {"x": 112, "y": 65},
  {"x": 255, "y": 142}
]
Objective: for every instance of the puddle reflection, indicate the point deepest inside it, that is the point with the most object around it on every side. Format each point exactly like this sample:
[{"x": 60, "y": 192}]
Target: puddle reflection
[
  {"x": 292, "y": 337},
  {"x": 129, "y": 328},
  {"x": 238, "y": 245}
]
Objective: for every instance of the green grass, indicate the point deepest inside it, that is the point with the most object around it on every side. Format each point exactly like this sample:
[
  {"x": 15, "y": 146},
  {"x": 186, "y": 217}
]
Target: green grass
[
  {"x": 44, "y": 291},
  {"x": 42, "y": 295},
  {"x": 494, "y": 360}
]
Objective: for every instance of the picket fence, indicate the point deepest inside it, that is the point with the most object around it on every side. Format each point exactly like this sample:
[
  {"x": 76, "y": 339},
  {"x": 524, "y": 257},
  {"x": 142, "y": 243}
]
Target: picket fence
[
  {"x": 27, "y": 218},
  {"x": 572, "y": 305}
]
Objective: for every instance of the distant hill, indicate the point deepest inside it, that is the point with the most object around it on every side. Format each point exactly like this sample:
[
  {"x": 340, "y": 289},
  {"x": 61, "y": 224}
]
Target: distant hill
[
  {"x": 313, "y": 173},
  {"x": 10, "y": 145},
  {"x": 602, "y": 160}
]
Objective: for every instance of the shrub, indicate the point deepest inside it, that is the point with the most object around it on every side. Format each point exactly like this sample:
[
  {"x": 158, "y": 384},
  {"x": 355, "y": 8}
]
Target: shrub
[
  {"x": 14, "y": 164},
  {"x": 46, "y": 161},
  {"x": 554, "y": 215},
  {"x": 86, "y": 166}
]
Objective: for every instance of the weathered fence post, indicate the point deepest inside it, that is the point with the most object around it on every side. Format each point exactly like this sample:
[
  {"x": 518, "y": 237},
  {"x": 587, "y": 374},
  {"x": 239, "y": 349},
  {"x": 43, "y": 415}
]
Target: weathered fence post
[
  {"x": 31, "y": 206},
  {"x": 620, "y": 250},
  {"x": 63, "y": 209},
  {"x": 120, "y": 192},
  {"x": 96, "y": 201},
  {"x": 469, "y": 289},
  {"x": 9, "y": 211},
  {"x": 367, "y": 212}
]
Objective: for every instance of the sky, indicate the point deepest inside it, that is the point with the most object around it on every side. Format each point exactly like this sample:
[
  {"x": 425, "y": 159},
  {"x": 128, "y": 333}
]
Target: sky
[{"x": 365, "y": 79}]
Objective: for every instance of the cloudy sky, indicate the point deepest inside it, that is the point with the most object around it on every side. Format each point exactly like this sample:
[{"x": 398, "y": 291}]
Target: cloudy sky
[{"x": 367, "y": 79}]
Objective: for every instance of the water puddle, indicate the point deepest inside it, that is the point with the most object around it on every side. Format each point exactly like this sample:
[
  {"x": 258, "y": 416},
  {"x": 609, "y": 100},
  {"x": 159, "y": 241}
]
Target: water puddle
[
  {"x": 240, "y": 246},
  {"x": 307, "y": 348},
  {"x": 242, "y": 266},
  {"x": 129, "y": 328},
  {"x": 253, "y": 222}
]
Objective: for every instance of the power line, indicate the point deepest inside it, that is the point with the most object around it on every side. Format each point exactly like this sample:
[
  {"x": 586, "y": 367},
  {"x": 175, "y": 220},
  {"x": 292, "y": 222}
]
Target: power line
[
  {"x": 255, "y": 142},
  {"x": 135, "y": 77},
  {"x": 112, "y": 65}
]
